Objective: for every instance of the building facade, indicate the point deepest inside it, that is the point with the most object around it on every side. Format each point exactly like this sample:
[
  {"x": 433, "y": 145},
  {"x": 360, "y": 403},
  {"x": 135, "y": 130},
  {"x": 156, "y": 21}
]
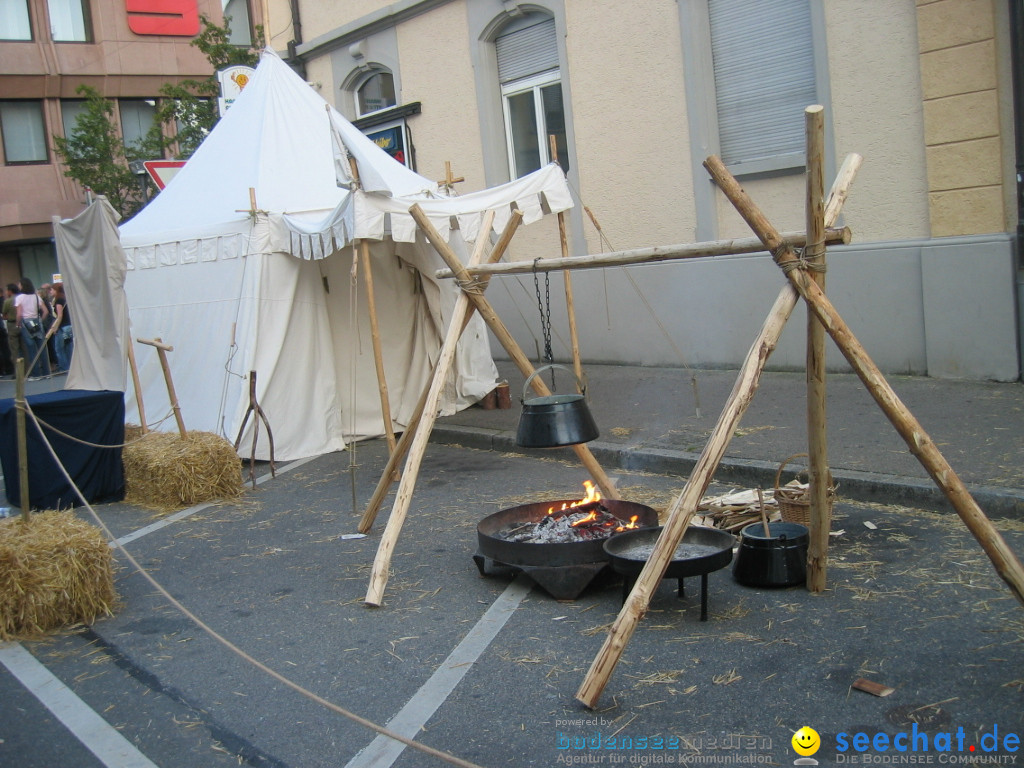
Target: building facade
[
  {"x": 126, "y": 50},
  {"x": 638, "y": 94}
]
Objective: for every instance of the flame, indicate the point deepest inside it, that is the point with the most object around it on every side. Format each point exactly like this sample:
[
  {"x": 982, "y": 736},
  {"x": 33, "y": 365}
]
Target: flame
[
  {"x": 588, "y": 519},
  {"x": 631, "y": 524},
  {"x": 593, "y": 495}
]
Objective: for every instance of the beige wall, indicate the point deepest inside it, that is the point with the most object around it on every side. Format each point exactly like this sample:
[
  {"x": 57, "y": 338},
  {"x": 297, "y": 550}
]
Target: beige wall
[
  {"x": 437, "y": 71},
  {"x": 632, "y": 138}
]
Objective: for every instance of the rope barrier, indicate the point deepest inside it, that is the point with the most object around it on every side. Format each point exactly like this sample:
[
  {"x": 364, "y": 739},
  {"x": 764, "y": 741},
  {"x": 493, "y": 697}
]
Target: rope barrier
[
  {"x": 24, "y": 406},
  {"x": 444, "y": 756}
]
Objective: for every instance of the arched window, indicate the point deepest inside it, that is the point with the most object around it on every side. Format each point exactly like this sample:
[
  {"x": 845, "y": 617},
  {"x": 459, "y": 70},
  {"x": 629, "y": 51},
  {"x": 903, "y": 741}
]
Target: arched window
[
  {"x": 531, "y": 93},
  {"x": 376, "y": 92}
]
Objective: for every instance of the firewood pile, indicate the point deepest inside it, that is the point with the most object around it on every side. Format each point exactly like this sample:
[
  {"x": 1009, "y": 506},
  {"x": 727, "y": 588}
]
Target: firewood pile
[{"x": 736, "y": 509}]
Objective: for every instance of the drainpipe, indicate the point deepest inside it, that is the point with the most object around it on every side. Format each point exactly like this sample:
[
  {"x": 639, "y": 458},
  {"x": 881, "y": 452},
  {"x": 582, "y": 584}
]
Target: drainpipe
[
  {"x": 293, "y": 59},
  {"x": 1017, "y": 67}
]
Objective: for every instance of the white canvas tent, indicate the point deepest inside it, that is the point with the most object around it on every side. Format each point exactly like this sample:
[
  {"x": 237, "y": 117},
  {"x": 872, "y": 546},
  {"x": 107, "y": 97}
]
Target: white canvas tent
[{"x": 268, "y": 288}]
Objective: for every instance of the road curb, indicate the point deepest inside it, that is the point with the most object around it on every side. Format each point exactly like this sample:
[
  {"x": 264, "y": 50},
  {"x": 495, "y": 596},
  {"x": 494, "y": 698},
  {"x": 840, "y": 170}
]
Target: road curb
[{"x": 853, "y": 485}]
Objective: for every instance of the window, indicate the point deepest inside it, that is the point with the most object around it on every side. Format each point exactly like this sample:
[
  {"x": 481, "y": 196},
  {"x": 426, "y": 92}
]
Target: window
[
  {"x": 531, "y": 92},
  {"x": 763, "y": 56},
  {"x": 70, "y": 109},
  {"x": 24, "y": 132},
  {"x": 376, "y": 92},
  {"x": 137, "y": 117},
  {"x": 241, "y": 28},
  {"x": 14, "y": 20},
  {"x": 69, "y": 21}
]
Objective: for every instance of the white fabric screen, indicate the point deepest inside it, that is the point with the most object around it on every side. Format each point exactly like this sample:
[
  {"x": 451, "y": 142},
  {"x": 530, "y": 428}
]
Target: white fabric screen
[{"x": 763, "y": 54}]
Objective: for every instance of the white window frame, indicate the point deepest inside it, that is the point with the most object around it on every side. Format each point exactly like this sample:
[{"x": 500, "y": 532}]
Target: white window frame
[
  {"x": 534, "y": 83},
  {"x": 363, "y": 82}
]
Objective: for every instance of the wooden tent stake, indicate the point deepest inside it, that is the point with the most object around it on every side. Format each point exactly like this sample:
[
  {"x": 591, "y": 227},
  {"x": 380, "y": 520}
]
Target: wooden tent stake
[
  {"x": 817, "y": 437},
  {"x": 570, "y": 302},
  {"x": 136, "y": 385},
  {"x": 833, "y": 236},
  {"x": 382, "y": 561},
  {"x": 162, "y": 350},
  {"x": 920, "y": 444},
  {"x": 389, "y": 473},
  {"x": 685, "y": 506}
]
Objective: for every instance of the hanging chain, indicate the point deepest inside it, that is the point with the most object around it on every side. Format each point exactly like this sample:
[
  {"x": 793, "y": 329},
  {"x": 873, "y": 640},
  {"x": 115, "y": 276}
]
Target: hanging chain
[{"x": 544, "y": 306}]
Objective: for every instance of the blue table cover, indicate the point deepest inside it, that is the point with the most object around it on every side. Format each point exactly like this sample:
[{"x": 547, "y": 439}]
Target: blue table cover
[{"x": 95, "y": 417}]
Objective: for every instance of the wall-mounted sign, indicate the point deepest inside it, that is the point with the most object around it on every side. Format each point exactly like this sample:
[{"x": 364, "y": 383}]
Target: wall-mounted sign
[
  {"x": 392, "y": 139},
  {"x": 179, "y": 18},
  {"x": 232, "y": 80}
]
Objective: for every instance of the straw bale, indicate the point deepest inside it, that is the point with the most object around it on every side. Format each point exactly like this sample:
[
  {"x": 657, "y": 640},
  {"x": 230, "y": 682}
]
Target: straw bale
[
  {"x": 55, "y": 570},
  {"x": 165, "y": 471}
]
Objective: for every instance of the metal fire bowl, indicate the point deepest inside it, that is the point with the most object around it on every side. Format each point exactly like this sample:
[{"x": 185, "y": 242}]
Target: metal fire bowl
[
  {"x": 571, "y": 553},
  {"x": 628, "y": 551}
]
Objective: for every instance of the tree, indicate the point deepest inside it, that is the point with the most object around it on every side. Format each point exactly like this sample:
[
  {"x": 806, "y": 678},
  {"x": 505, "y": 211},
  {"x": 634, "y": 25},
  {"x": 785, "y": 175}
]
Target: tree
[{"x": 96, "y": 155}]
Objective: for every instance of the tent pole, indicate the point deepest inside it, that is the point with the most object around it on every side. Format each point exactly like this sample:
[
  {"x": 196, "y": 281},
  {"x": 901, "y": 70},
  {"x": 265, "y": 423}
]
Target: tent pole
[
  {"x": 389, "y": 473},
  {"x": 371, "y": 308},
  {"x": 382, "y": 561},
  {"x": 570, "y": 303}
]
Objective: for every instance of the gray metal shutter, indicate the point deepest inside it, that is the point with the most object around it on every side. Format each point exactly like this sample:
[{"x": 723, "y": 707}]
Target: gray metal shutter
[
  {"x": 764, "y": 76},
  {"x": 527, "y": 51}
]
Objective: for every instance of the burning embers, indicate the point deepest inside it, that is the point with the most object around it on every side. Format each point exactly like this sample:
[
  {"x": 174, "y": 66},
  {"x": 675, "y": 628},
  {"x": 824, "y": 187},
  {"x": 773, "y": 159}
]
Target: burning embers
[{"x": 584, "y": 520}]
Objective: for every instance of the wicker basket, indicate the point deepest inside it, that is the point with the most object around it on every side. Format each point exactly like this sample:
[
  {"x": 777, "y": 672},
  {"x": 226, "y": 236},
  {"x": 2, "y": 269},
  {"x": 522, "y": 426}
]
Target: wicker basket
[{"x": 795, "y": 501}]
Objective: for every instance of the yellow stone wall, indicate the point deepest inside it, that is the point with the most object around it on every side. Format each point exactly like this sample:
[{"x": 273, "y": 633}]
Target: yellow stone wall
[{"x": 962, "y": 130}]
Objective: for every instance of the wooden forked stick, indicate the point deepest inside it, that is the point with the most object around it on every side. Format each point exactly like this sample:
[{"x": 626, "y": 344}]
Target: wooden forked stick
[{"x": 162, "y": 350}]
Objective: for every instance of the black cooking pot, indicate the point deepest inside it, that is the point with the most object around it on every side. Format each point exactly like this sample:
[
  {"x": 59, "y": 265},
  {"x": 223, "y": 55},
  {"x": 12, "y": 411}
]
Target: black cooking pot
[
  {"x": 551, "y": 421},
  {"x": 776, "y": 559}
]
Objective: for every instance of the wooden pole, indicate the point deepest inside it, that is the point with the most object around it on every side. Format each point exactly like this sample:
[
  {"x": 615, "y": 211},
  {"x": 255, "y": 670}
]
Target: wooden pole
[
  {"x": 920, "y": 444},
  {"x": 817, "y": 419},
  {"x": 370, "y": 514},
  {"x": 685, "y": 506},
  {"x": 378, "y": 354},
  {"x": 371, "y": 308},
  {"x": 133, "y": 366},
  {"x": 382, "y": 561},
  {"x": 19, "y": 421},
  {"x": 162, "y": 350},
  {"x": 570, "y": 302},
  {"x": 515, "y": 352},
  {"x": 833, "y": 236}
]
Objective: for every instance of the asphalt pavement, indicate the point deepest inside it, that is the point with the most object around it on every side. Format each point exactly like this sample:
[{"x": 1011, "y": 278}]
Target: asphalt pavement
[{"x": 486, "y": 667}]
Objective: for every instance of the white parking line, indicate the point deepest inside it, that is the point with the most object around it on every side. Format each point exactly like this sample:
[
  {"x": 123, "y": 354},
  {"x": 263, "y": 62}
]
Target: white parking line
[
  {"x": 96, "y": 734},
  {"x": 382, "y": 751}
]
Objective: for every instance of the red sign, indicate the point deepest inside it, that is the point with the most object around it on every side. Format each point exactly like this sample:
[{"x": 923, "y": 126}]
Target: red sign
[
  {"x": 162, "y": 171},
  {"x": 163, "y": 17}
]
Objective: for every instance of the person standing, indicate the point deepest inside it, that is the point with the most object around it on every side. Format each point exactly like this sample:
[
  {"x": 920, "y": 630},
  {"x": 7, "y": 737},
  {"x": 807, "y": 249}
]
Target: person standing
[
  {"x": 64, "y": 338},
  {"x": 10, "y": 320},
  {"x": 31, "y": 313}
]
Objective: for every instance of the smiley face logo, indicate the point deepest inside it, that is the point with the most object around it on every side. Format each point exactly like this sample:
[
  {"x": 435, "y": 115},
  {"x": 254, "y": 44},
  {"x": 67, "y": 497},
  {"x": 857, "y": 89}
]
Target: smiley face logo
[{"x": 806, "y": 741}]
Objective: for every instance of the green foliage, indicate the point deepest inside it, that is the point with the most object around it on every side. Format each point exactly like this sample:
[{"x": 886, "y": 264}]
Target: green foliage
[{"x": 96, "y": 155}]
